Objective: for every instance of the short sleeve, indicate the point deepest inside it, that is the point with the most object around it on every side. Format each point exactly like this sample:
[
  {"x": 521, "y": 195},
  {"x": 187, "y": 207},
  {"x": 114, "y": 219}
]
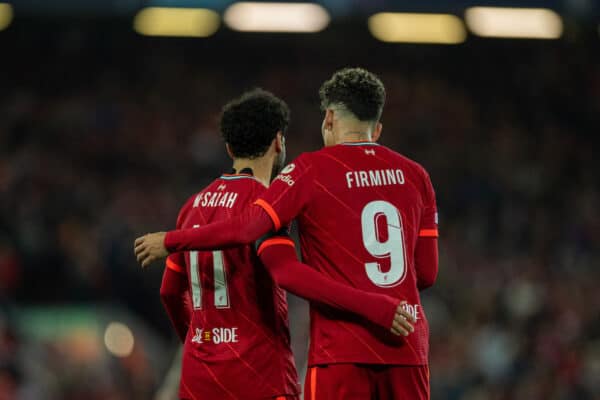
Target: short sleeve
[
  {"x": 289, "y": 192},
  {"x": 429, "y": 216}
]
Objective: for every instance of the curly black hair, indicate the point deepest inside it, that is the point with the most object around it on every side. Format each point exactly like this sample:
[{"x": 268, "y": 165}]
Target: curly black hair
[
  {"x": 250, "y": 122},
  {"x": 361, "y": 92}
]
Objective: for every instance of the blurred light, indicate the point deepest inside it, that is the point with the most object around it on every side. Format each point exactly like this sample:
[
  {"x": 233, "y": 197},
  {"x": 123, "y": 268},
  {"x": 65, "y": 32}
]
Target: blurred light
[
  {"x": 118, "y": 339},
  {"x": 80, "y": 344},
  {"x": 276, "y": 17},
  {"x": 182, "y": 22},
  {"x": 417, "y": 28},
  {"x": 6, "y": 15},
  {"x": 530, "y": 23}
]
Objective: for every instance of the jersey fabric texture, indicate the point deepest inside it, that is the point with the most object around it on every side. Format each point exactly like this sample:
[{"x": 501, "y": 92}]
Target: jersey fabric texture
[
  {"x": 238, "y": 343},
  {"x": 360, "y": 208}
]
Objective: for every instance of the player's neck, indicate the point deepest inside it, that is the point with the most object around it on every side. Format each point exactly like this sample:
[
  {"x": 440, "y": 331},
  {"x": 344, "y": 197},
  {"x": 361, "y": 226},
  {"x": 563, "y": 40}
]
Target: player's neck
[
  {"x": 354, "y": 136},
  {"x": 261, "y": 168}
]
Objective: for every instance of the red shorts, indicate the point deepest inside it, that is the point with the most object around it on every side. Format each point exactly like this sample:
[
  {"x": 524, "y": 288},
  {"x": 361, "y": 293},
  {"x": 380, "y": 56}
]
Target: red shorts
[
  {"x": 270, "y": 398},
  {"x": 367, "y": 382}
]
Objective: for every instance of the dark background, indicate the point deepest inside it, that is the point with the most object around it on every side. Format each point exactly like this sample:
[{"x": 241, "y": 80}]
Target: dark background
[{"x": 104, "y": 134}]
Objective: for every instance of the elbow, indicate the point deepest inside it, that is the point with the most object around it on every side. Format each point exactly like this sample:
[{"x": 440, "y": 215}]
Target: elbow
[
  {"x": 427, "y": 281},
  {"x": 167, "y": 294},
  {"x": 171, "y": 303},
  {"x": 166, "y": 298}
]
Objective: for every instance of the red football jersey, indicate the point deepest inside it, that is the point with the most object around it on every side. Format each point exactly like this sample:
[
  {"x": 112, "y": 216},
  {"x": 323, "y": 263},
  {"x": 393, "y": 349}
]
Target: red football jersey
[
  {"x": 360, "y": 208},
  {"x": 238, "y": 343}
]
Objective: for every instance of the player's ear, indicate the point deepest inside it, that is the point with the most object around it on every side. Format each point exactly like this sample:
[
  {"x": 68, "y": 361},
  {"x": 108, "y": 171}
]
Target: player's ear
[
  {"x": 279, "y": 142},
  {"x": 229, "y": 152},
  {"x": 328, "y": 120},
  {"x": 376, "y": 132}
]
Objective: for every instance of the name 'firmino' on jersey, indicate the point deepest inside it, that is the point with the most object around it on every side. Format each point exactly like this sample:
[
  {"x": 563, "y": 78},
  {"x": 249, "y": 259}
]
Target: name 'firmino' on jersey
[{"x": 360, "y": 208}]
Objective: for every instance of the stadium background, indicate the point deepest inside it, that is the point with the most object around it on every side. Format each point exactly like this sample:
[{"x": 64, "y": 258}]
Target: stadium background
[{"x": 105, "y": 132}]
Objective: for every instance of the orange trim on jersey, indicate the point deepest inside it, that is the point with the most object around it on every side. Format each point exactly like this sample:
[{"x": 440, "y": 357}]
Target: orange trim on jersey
[
  {"x": 267, "y": 207},
  {"x": 274, "y": 241},
  {"x": 313, "y": 383},
  {"x": 174, "y": 266},
  {"x": 429, "y": 233}
]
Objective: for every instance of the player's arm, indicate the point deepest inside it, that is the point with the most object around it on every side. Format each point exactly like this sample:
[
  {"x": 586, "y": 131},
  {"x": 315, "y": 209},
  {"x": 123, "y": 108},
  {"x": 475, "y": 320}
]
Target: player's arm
[
  {"x": 278, "y": 255},
  {"x": 426, "y": 250},
  {"x": 175, "y": 296},
  {"x": 426, "y": 261},
  {"x": 240, "y": 230},
  {"x": 280, "y": 204}
]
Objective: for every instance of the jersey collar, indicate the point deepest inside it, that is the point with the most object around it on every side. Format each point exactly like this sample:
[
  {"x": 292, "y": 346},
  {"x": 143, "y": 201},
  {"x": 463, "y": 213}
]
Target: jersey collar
[
  {"x": 234, "y": 175},
  {"x": 245, "y": 171},
  {"x": 360, "y": 143}
]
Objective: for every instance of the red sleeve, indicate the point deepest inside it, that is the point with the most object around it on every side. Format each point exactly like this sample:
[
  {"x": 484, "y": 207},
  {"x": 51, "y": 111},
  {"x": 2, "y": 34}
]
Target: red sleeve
[
  {"x": 279, "y": 257},
  {"x": 240, "y": 230},
  {"x": 289, "y": 192},
  {"x": 278, "y": 206},
  {"x": 175, "y": 295},
  {"x": 426, "y": 262},
  {"x": 429, "y": 215},
  {"x": 426, "y": 252}
]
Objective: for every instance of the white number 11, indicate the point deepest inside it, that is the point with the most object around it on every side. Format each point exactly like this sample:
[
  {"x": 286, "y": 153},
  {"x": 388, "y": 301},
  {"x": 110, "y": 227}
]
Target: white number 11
[{"x": 220, "y": 279}]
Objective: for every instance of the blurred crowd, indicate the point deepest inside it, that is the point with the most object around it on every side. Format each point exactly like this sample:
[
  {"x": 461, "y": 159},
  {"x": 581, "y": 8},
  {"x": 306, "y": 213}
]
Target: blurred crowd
[{"x": 104, "y": 137}]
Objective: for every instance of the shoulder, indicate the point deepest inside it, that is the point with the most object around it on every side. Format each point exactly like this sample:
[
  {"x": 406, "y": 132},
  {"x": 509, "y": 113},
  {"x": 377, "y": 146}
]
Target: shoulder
[
  {"x": 189, "y": 203},
  {"x": 407, "y": 162},
  {"x": 304, "y": 160},
  {"x": 298, "y": 166},
  {"x": 184, "y": 210},
  {"x": 315, "y": 159},
  {"x": 253, "y": 187},
  {"x": 412, "y": 168},
  {"x": 194, "y": 200}
]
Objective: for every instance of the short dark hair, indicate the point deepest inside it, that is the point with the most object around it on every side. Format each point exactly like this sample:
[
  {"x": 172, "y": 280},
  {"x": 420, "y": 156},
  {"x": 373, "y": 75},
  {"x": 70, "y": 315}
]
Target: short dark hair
[
  {"x": 250, "y": 122},
  {"x": 361, "y": 92}
]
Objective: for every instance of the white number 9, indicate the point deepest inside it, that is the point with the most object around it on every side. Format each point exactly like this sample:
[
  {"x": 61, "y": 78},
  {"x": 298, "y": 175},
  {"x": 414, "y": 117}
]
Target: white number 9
[{"x": 393, "y": 247}]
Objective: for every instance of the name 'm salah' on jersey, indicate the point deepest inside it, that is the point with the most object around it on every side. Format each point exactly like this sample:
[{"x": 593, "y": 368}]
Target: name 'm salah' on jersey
[
  {"x": 360, "y": 209},
  {"x": 238, "y": 342}
]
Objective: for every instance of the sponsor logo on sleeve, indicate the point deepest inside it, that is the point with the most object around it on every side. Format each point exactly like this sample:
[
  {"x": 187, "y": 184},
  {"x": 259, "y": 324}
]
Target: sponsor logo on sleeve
[
  {"x": 284, "y": 177},
  {"x": 288, "y": 168}
]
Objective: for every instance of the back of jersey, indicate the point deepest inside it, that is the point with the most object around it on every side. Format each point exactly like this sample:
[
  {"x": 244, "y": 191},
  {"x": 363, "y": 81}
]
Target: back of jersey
[
  {"x": 361, "y": 208},
  {"x": 238, "y": 344}
]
